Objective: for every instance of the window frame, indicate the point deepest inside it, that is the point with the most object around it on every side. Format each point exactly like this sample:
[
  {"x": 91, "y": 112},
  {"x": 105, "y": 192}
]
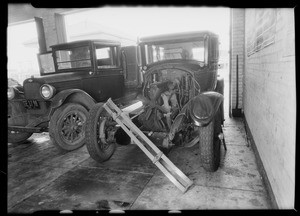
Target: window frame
[
  {"x": 42, "y": 73},
  {"x": 117, "y": 54},
  {"x": 147, "y": 50},
  {"x": 77, "y": 68}
]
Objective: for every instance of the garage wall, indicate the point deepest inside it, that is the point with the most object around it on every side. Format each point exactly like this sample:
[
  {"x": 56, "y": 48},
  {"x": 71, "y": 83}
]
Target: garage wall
[
  {"x": 270, "y": 96},
  {"x": 237, "y": 49}
]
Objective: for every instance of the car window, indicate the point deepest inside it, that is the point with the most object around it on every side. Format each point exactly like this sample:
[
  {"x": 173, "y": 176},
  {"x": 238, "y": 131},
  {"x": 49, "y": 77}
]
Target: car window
[
  {"x": 198, "y": 53},
  {"x": 46, "y": 63},
  {"x": 78, "y": 57},
  {"x": 106, "y": 57},
  {"x": 186, "y": 50}
]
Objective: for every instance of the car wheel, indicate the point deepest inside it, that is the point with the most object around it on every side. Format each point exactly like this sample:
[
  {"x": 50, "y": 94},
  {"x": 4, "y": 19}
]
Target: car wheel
[
  {"x": 17, "y": 137},
  {"x": 100, "y": 130},
  {"x": 209, "y": 144},
  {"x": 66, "y": 128}
]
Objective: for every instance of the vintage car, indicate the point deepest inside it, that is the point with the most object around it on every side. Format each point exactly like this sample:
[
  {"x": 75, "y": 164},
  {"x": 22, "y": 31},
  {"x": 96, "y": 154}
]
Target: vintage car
[
  {"x": 73, "y": 77},
  {"x": 181, "y": 95}
]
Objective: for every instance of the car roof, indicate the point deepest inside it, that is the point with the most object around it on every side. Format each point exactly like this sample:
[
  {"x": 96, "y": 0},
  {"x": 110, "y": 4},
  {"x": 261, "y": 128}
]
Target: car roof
[
  {"x": 86, "y": 42},
  {"x": 186, "y": 36}
]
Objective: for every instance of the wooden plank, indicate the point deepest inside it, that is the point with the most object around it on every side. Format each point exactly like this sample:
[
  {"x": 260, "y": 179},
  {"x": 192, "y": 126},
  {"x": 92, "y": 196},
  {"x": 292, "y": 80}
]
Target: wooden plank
[{"x": 167, "y": 167}]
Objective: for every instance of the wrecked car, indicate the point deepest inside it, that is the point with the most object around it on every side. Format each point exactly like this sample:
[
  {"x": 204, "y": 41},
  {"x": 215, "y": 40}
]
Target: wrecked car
[{"x": 181, "y": 95}]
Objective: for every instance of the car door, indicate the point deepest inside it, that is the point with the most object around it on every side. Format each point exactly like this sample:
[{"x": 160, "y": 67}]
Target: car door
[
  {"x": 107, "y": 79},
  {"x": 130, "y": 66}
]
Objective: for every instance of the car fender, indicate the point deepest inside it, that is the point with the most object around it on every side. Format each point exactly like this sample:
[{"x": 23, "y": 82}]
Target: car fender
[
  {"x": 204, "y": 107},
  {"x": 220, "y": 89},
  {"x": 72, "y": 95}
]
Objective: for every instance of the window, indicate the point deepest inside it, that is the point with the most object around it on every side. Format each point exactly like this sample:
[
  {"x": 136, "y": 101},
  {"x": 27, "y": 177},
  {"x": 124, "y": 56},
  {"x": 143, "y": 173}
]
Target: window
[
  {"x": 262, "y": 30},
  {"x": 46, "y": 63},
  {"x": 181, "y": 50},
  {"x": 106, "y": 57},
  {"x": 173, "y": 53},
  {"x": 78, "y": 57},
  {"x": 22, "y": 50},
  {"x": 198, "y": 53},
  {"x": 103, "y": 53}
]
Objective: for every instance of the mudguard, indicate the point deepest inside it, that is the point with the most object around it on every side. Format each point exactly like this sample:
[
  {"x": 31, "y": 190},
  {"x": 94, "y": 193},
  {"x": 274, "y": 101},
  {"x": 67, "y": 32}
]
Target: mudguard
[
  {"x": 204, "y": 106},
  {"x": 202, "y": 109},
  {"x": 77, "y": 95}
]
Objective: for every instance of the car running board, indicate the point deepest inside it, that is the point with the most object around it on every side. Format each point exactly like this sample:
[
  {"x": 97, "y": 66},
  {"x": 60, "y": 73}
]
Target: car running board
[{"x": 175, "y": 175}]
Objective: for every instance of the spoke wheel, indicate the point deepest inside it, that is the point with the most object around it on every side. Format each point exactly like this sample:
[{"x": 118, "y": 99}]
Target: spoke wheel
[
  {"x": 72, "y": 127},
  {"x": 66, "y": 128}
]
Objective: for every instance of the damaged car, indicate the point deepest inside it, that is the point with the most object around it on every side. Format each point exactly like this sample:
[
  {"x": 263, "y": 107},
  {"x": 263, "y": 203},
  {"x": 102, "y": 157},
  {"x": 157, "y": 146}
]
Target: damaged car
[{"x": 180, "y": 99}]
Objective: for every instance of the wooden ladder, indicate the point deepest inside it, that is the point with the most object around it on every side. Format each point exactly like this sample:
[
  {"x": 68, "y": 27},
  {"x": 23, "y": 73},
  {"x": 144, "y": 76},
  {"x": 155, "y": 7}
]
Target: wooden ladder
[{"x": 156, "y": 156}]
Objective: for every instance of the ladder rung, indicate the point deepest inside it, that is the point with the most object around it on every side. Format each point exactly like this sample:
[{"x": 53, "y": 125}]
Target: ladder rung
[{"x": 157, "y": 157}]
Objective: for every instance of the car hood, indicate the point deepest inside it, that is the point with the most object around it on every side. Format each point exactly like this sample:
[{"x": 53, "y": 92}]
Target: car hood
[{"x": 55, "y": 78}]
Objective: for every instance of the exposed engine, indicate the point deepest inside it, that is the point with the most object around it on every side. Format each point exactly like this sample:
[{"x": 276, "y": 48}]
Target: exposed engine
[{"x": 166, "y": 92}]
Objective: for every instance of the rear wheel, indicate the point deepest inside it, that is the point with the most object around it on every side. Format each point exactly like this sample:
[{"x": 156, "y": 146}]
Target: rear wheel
[
  {"x": 100, "y": 134},
  {"x": 66, "y": 128},
  {"x": 209, "y": 144}
]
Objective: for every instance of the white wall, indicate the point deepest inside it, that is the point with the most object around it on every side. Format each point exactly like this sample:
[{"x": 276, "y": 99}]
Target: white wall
[{"x": 270, "y": 104}]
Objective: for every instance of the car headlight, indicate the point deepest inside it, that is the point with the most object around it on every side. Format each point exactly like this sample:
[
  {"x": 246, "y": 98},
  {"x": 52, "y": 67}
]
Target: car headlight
[
  {"x": 10, "y": 93},
  {"x": 47, "y": 91}
]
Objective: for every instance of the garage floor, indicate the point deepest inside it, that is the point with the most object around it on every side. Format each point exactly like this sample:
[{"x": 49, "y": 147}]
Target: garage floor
[{"x": 41, "y": 178}]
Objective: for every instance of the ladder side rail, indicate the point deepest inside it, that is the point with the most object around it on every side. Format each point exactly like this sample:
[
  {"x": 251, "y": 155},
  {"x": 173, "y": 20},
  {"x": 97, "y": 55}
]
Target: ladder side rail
[
  {"x": 113, "y": 106},
  {"x": 170, "y": 177},
  {"x": 129, "y": 123},
  {"x": 138, "y": 142},
  {"x": 136, "y": 130},
  {"x": 170, "y": 165},
  {"x": 172, "y": 168},
  {"x": 166, "y": 166},
  {"x": 165, "y": 171},
  {"x": 144, "y": 149}
]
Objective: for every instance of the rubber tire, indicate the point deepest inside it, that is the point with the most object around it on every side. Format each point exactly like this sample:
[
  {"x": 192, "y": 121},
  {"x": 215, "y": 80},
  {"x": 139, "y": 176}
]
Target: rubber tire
[
  {"x": 92, "y": 145},
  {"x": 17, "y": 138},
  {"x": 56, "y": 119},
  {"x": 209, "y": 144}
]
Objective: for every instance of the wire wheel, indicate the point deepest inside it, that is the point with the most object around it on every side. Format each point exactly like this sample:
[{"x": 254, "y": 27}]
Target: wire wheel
[
  {"x": 66, "y": 128},
  {"x": 72, "y": 127}
]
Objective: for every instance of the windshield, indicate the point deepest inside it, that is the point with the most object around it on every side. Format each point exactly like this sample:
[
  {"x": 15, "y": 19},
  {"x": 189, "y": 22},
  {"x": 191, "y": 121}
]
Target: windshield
[
  {"x": 77, "y": 57},
  {"x": 187, "y": 50}
]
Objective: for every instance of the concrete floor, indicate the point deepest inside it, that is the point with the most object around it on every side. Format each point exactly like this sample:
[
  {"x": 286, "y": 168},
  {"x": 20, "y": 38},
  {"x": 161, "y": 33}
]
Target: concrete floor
[{"x": 40, "y": 178}]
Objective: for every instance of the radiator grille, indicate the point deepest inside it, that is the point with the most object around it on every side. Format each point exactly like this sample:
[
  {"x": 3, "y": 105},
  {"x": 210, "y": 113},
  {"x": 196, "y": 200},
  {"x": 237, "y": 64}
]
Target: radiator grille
[{"x": 32, "y": 90}]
